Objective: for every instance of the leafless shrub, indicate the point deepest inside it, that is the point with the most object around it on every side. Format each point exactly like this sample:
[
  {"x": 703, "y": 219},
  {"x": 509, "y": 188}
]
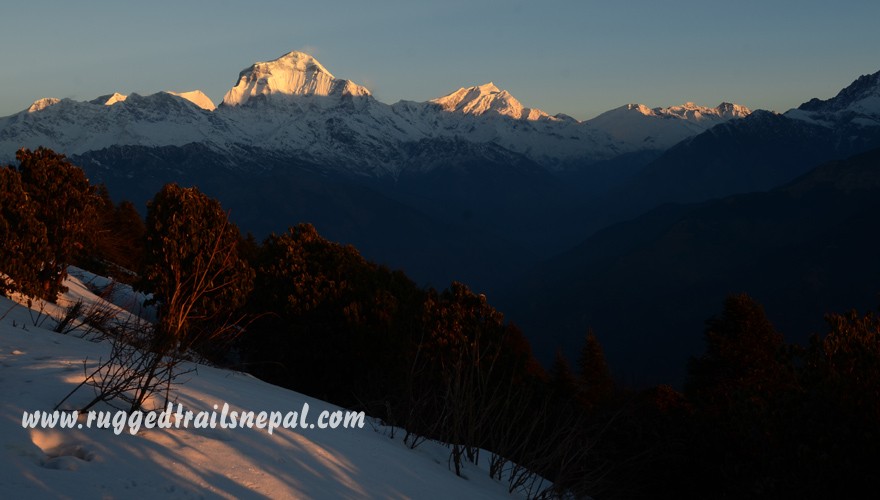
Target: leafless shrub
[
  {"x": 69, "y": 321},
  {"x": 99, "y": 317},
  {"x": 38, "y": 316},
  {"x": 12, "y": 306},
  {"x": 132, "y": 373}
]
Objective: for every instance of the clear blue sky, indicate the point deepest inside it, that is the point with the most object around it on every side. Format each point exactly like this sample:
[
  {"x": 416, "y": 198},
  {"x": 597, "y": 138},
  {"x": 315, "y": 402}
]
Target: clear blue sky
[{"x": 577, "y": 57}]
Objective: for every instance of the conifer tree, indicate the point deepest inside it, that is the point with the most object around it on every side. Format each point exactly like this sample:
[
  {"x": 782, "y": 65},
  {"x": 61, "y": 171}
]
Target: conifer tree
[
  {"x": 745, "y": 358},
  {"x": 596, "y": 383},
  {"x": 562, "y": 381}
]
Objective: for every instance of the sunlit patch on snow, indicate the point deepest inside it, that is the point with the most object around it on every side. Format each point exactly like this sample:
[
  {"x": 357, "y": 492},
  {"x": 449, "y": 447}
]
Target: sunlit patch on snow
[{"x": 59, "y": 453}]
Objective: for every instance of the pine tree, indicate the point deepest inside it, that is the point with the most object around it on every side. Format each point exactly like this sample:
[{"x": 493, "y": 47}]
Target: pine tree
[
  {"x": 596, "y": 383},
  {"x": 741, "y": 391},
  {"x": 563, "y": 383},
  {"x": 745, "y": 359}
]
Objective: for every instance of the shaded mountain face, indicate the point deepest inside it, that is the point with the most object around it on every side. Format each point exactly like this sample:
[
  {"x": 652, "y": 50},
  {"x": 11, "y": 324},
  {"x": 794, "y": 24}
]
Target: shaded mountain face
[
  {"x": 756, "y": 153},
  {"x": 646, "y": 286},
  {"x": 286, "y": 192},
  {"x": 861, "y": 99}
]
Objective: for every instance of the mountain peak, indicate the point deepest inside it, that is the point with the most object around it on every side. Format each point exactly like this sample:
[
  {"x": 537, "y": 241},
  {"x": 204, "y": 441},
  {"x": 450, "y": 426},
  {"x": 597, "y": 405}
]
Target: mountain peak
[
  {"x": 637, "y": 108},
  {"x": 642, "y": 127},
  {"x": 109, "y": 99},
  {"x": 732, "y": 110},
  {"x": 293, "y": 74},
  {"x": 861, "y": 96},
  {"x": 489, "y": 88},
  {"x": 41, "y": 104},
  {"x": 688, "y": 111},
  {"x": 196, "y": 97},
  {"x": 694, "y": 112},
  {"x": 487, "y": 98}
]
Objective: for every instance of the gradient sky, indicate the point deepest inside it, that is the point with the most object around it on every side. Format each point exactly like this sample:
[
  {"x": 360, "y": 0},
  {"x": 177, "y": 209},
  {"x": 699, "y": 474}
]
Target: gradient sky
[{"x": 577, "y": 57}]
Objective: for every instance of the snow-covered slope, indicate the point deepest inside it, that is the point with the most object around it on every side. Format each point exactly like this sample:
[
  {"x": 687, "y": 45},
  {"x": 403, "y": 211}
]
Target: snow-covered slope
[
  {"x": 75, "y": 127},
  {"x": 858, "y": 105},
  {"x": 41, "y": 104},
  {"x": 198, "y": 98},
  {"x": 109, "y": 100},
  {"x": 39, "y": 367},
  {"x": 661, "y": 128}
]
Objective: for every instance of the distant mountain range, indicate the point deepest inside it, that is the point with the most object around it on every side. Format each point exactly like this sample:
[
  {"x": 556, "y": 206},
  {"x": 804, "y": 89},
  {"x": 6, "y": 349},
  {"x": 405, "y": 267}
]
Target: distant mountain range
[
  {"x": 293, "y": 105},
  {"x": 757, "y": 153},
  {"x": 553, "y": 216},
  {"x": 475, "y": 162}
]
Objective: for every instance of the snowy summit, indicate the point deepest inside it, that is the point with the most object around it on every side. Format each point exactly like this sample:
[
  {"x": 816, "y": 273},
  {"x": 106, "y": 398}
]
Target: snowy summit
[
  {"x": 857, "y": 104},
  {"x": 487, "y": 99},
  {"x": 109, "y": 100},
  {"x": 198, "y": 98},
  {"x": 660, "y": 128},
  {"x": 295, "y": 73},
  {"x": 41, "y": 104}
]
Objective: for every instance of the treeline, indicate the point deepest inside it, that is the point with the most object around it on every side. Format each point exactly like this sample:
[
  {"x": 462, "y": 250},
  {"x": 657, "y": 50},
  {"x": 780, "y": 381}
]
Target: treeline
[
  {"x": 783, "y": 420},
  {"x": 757, "y": 418}
]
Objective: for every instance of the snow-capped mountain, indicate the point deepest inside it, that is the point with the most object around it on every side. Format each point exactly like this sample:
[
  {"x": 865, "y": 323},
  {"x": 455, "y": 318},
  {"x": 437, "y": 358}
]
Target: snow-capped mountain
[
  {"x": 198, "y": 98},
  {"x": 661, "y": 128},
  {"x": 487, "y": 99},
  {"x": 41, "y": 104},
  {"x": 293, "y": 106},
  {"x": 75, "y": 127},
  {"x": 293, "y": 74},
  {"x": 757, "y": 153},
  {"x": 486, "y": 115},
  {"x": 858, "y": 104}
]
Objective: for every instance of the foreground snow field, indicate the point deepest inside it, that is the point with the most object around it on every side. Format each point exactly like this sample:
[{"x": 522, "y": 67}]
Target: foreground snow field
[{"x": 38, "y": 367}]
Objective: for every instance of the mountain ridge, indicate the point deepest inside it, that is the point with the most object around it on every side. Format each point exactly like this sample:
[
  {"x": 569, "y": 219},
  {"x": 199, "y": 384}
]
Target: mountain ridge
[
  {"x": 294, "y": 105},
  {"x": 803, "y": 249},
  {"x": 661, "y": 127}
]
